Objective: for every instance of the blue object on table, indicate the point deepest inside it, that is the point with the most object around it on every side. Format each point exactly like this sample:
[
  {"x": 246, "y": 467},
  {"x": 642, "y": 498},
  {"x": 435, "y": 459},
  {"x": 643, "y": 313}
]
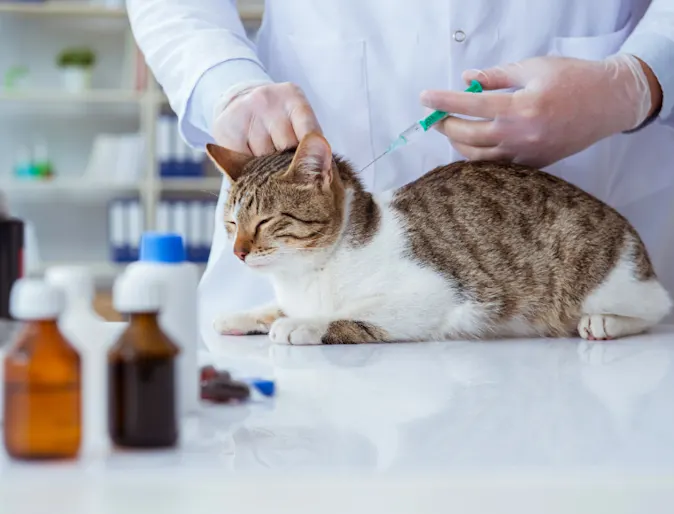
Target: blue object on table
[{"x": 265, "y": 387}]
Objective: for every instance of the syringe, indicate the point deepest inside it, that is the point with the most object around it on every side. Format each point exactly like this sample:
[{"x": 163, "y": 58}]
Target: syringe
[{"x": 421, "y": 126}]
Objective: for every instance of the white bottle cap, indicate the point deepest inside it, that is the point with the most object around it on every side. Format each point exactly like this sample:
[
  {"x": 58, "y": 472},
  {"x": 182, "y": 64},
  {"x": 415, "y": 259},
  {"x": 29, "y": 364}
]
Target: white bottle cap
[
  {"x": 136, "y": 294},
  {"x": 33, "y": 299},
  {"x": 75, "y": 281}
]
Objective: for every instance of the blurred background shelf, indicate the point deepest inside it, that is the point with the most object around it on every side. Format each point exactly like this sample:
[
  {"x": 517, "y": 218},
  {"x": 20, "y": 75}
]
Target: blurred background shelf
[
  {"x": 90, "y": 130},
  {"x": 64, "y": 8},
  {"x": 115, "y": 96},
  {"x": 249, "y": 12},
  {"x": 205, "y": 184},
  {"x": 104, "y": 271},
  {"x": 65, "y": 185},
  {"x": 94, "y": 190},
  {"x": 101, "y": 269}
]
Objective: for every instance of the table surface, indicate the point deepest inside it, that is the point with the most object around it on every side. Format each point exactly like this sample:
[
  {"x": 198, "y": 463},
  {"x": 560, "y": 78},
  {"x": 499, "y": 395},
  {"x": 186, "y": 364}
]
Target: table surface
[{"x": 546, "y": 411}]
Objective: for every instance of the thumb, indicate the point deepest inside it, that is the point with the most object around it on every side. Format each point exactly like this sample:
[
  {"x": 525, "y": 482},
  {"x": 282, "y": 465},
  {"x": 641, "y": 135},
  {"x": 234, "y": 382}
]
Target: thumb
[{"x": 499, "y": 77}]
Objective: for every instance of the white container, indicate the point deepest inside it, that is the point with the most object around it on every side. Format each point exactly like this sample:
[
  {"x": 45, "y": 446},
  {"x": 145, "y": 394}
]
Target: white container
[
  {"x": 92, "y": 336},
  {"x": 165, "y": 138},
  {"x": 162, "y": 258},
  {"x": 118, "y": 231},
  {"x": 195, "y": 225},
  {"x": 136, "y": 222},
  {"x": 164, "y": 217},
  {"x": 78, "y": 287},
  {"x": 181, "y": 151},
  {"x": 76, "y": 79},
  {"x": 181, "y": 219}
]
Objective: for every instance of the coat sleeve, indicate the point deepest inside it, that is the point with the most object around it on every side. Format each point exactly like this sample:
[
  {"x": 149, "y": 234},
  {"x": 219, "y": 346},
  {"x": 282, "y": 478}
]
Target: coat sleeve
[
  {"x": 652, "y": 41},
  {"x": 197, "y": 50}
]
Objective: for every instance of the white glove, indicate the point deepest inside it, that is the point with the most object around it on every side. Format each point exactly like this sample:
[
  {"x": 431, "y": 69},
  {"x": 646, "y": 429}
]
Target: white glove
[
  {"x": 262, "y": 118},
  {"x": 564, "y": 105}
]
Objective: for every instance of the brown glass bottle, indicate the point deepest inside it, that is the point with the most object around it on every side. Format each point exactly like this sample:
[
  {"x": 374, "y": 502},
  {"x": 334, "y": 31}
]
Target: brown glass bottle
[
  {"x": 42, "y": 405},
  {"x": 141, "y": 386}
]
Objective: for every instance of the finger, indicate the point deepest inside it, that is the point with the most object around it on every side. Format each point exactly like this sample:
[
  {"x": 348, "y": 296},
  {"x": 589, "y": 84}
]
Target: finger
[
  {"x": 233, "y": 136},
  {"x": 259, "y": 139},
  {"x": 500, "y": 77},
  {"x": 476, "y": 133},
  {"x": 488, "y": 106},
  {"x": 474, "y": 153},
  {"x": 303, "y": 120},
  {"x": 282, "y": 133}
]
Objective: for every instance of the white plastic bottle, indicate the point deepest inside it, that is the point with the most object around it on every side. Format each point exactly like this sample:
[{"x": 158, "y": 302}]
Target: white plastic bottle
[
  {"x": 78, "y": 288},
  {"x": 162, "y": 257},
  {"x": 92, "y": 336},
  {"x": 79, "y": 319}
]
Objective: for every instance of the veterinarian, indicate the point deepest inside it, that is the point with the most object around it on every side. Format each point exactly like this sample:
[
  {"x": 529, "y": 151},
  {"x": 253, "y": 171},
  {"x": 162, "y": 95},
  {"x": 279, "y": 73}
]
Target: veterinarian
[{"x": 588, "y": 94}]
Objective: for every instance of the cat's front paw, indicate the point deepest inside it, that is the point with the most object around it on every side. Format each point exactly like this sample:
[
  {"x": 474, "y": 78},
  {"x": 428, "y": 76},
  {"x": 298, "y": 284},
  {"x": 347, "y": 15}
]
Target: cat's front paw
[
  {"x": 240, "y": 325},
  {"x": 296, "y": 331}
]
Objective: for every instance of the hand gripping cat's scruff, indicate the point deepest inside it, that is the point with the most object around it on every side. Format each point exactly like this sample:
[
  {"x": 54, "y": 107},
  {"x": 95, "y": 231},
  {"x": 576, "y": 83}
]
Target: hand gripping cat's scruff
[{"x": 469, "y": 250}]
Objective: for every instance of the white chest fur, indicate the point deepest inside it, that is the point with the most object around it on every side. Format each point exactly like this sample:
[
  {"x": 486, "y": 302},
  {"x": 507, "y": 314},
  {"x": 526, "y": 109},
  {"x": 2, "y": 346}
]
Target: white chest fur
[{"x": 374, "y": 282}]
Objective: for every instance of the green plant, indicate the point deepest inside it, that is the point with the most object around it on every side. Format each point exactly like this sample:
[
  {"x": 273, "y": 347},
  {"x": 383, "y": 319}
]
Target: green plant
[{"x": 80, "y": 57}]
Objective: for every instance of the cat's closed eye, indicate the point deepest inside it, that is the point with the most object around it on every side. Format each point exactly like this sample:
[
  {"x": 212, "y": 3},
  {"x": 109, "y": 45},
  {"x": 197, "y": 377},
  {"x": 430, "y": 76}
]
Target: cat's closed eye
[
  {"x": 230, "y": 227},
  {"x": 260, "y": 224}
]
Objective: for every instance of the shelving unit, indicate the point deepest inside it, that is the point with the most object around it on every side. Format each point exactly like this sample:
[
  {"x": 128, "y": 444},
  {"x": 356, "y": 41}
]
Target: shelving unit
[
  {"x": 144, "y": 105},
  {"x": 111, "y": 96},
  {"x": 65, "y": 185},
  {"x": 51, "y": 8},
  {"x": 248, "y": 12}
]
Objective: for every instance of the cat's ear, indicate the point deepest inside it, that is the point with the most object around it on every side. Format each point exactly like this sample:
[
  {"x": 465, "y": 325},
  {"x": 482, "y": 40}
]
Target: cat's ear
[
  {"x": 312, "y": 163},
  {"x": 229, "y": 162}
]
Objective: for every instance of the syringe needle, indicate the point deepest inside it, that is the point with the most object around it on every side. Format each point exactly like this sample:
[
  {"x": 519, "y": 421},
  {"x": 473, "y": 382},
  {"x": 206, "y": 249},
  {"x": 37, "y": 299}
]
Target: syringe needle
[{"x": 373, "y": 161}]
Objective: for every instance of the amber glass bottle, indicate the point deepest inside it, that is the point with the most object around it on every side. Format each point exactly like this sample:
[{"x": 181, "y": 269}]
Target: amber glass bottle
[
  {"x": 141, "y": 372},
  {"x": 42, "y": 406}
]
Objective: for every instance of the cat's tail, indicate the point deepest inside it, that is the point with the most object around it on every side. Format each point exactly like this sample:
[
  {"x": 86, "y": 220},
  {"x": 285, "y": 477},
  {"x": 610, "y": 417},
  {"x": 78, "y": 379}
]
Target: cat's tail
[{"x": 629, "y": 300}]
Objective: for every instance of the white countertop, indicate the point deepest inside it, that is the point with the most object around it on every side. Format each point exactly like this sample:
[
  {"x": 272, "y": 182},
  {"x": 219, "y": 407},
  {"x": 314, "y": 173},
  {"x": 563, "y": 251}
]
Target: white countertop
[{"x": 559, "y": 425}]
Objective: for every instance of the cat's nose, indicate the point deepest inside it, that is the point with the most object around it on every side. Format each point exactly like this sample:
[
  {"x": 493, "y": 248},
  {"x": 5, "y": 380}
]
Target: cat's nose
[{"x": 241, "y": 254}]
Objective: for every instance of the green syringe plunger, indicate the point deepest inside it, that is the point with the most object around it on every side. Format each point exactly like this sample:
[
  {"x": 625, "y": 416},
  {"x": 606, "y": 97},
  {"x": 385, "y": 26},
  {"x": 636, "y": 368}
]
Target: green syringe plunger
[{"x": 435, "y": 116}]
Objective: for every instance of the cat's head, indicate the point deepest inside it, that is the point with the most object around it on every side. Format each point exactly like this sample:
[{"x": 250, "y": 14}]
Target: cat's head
[{"x": 284, "y": 210}]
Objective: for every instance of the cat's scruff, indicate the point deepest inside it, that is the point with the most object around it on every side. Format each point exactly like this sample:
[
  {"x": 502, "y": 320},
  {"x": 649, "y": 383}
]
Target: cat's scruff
[{"x": 469, "y": 250}]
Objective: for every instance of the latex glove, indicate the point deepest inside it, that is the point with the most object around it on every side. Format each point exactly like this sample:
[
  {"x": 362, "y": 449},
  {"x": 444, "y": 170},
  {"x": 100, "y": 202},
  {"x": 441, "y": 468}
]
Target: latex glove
[
  {"x": 263, "y": 118},
  {"x": 564, "y": 105}
]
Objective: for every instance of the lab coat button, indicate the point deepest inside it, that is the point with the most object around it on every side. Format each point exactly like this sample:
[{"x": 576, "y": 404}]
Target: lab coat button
[{"x": 459, "y": 36}]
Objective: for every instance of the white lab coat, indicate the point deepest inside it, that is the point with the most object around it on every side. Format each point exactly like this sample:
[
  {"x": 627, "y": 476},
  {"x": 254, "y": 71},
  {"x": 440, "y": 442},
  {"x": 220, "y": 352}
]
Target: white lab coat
[{"x": 362, "y": 65}]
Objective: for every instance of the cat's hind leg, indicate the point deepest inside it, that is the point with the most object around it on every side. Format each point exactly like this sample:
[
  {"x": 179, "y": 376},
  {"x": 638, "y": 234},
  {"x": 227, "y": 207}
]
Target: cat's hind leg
[
  {"x": 602, "y": 327},
  {"x": 257, "y": 321},
  {"x": 628, "y": 302}
]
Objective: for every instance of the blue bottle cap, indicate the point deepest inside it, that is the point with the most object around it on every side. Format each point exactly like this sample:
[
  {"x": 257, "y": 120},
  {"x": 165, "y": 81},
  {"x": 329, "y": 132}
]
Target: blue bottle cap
[
  {"x": 266, "y": 387},
  {"x": 162, "y": 247}
]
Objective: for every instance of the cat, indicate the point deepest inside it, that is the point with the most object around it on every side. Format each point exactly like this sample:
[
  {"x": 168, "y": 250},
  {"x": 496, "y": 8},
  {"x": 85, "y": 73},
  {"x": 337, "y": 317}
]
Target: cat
[{"x": 469, "y": 250}]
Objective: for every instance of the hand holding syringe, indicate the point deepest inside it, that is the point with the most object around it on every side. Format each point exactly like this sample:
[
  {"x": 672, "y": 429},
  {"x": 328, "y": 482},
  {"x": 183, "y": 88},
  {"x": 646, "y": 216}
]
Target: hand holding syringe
[{"x": 421, "y": 126}]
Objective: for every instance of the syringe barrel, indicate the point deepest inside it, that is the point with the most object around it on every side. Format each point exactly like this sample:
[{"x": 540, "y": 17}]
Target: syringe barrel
[{"x": 411, "y": 132}]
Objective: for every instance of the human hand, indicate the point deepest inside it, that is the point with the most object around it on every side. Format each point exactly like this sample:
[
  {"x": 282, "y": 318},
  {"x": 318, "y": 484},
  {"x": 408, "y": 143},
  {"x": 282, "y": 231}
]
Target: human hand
[
  {"x": 564, "y": 105},
  {"x": 264, "y": 118}
]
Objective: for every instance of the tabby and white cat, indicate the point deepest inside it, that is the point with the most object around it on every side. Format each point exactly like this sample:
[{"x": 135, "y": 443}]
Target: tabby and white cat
[{"x": 469, "y": 250}]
